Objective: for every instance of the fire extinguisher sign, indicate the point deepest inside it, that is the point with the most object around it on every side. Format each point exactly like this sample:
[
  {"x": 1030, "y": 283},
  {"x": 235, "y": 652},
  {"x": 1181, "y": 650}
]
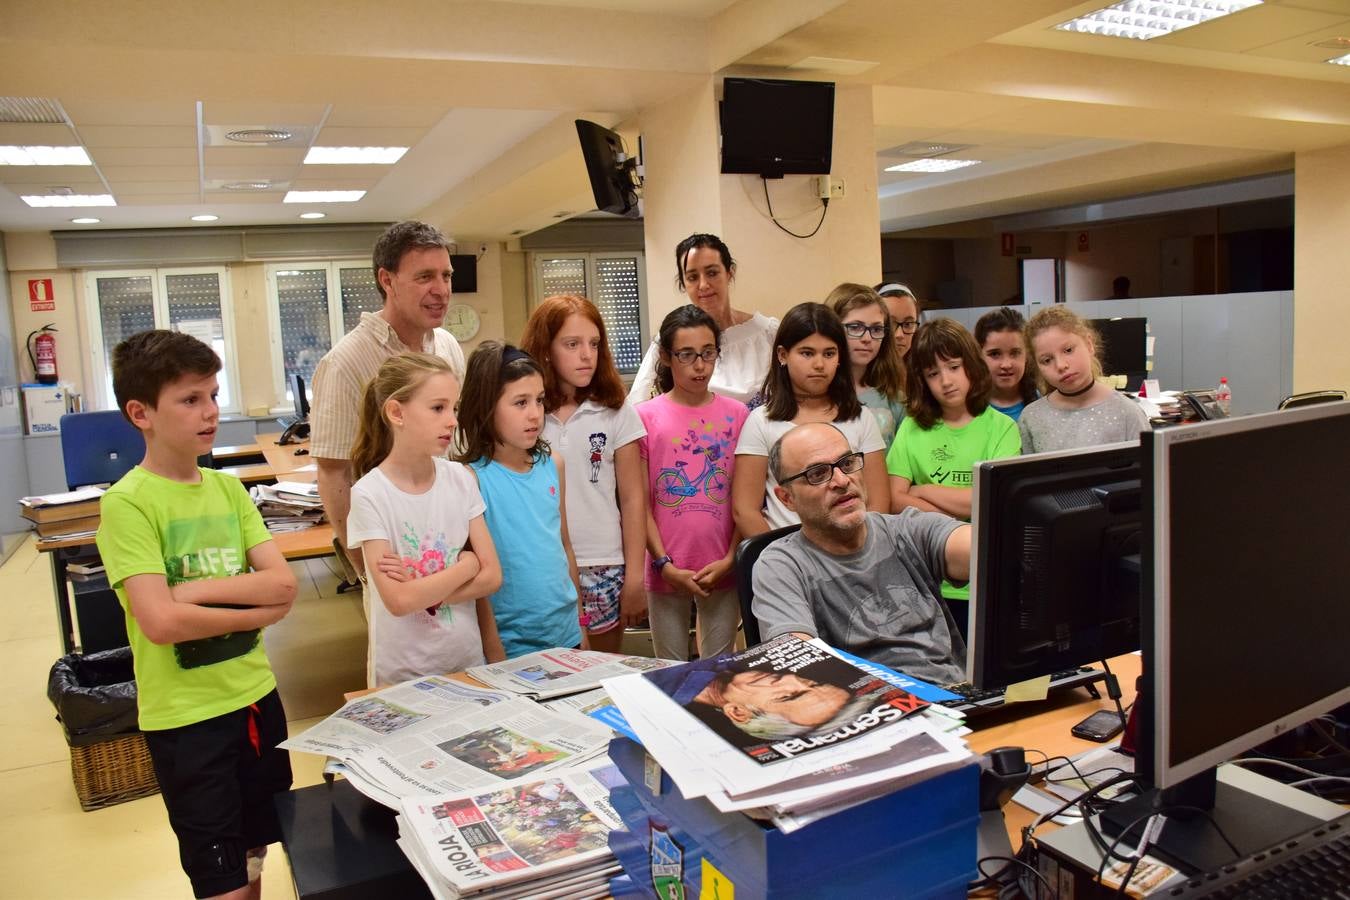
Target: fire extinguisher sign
[{"x": 40, "y": 296}]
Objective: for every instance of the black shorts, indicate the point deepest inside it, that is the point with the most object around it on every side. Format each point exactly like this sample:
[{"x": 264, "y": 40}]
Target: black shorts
[{"x": 218, "y": 777}]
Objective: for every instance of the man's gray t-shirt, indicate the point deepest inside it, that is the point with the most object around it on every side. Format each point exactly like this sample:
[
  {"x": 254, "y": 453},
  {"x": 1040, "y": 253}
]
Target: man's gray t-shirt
[{"x": 882, "y": 603}]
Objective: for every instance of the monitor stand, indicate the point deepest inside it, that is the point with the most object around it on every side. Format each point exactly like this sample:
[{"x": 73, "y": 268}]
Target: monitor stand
[{"x": 1251, "y": 820}]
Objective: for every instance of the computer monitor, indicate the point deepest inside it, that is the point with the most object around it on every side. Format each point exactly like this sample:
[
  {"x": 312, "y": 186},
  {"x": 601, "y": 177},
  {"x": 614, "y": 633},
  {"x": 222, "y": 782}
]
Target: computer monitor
[
  {"x": 1124, "y": 345},
  {"x": 1055, "y": 578},
  {"x": 613, "y": 174},
  {"x": 298, "y": 395},
  {"x": 1245, "y": 614},
  {"x": 774, "y": 127}
]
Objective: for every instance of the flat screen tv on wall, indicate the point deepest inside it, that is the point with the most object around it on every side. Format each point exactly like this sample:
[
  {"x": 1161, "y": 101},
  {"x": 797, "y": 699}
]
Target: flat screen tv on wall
[{"x": 773, "y": 128}]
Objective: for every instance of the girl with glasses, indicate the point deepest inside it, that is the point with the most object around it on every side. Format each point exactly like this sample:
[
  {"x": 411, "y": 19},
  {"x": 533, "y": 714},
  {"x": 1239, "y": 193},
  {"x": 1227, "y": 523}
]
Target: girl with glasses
[
  {"x": 688, "y": 451},
  {"x": 950, "y": 428},
  {"x": 811, "y": 381},
  {"x": 877, "y": 368}
]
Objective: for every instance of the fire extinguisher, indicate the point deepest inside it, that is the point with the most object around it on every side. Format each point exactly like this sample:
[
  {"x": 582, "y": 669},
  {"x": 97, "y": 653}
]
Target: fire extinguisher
[{"x": 42, "y": 353}]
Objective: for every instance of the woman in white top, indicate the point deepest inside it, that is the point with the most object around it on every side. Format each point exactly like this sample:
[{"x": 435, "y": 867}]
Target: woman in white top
[{"x": 705, "y": 271}]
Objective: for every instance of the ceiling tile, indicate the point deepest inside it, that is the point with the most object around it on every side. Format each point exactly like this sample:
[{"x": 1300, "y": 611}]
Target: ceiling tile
[
  {"x": 241, "y": 155},
  {"x": 150, "y": 173},
  {"x": 50, "y": 175},
  {"x": 343, "y": 173},
  {"x": 263, "y": 114},
  {"x": 123, "y": 112},
  {"x": 1303, "y": 48},
  {"x": 356, "y": 116},
  {"x": 141, "y": 188},
  {"x": 145, "y": 156},
  {"x": 245, "y": 198},
  {"x": 334, "y": 184},
  {"x": 138, "y": 136},
  {"x": 160, "y": 200},
  {"x": 1249, "y": 28},
  {"x": 251, "y": 173},
  {"x": 36, "y": 135}
]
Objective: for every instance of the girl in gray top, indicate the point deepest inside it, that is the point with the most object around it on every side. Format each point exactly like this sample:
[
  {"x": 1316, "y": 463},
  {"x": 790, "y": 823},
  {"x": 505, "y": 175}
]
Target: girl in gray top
[{"x": 1077, "y": 409}]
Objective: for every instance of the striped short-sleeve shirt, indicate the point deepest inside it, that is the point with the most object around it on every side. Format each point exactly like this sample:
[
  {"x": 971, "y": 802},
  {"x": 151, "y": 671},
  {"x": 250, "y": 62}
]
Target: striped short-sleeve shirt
[{"x": 344, "y": 372}]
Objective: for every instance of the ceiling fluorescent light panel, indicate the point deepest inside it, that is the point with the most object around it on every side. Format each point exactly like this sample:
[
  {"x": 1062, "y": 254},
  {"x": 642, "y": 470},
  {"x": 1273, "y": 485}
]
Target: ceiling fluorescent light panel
[
  {"x": 1340, "y": 60},
  {"x": 354, "y": 156},
  {"x": 47, "y": 200},
  {"x": 323, "y": 196},
  {"x": 43, "y": 156},
  {"x": 933, "y": 165},
  {"x": 1146, "y": 19}
]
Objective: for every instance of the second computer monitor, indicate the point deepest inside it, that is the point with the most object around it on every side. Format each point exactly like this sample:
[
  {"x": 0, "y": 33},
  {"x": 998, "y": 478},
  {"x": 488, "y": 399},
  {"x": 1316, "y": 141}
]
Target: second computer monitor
[
  {"x": 1054, "y": 563},
  {"x": 298, "y": 395}
]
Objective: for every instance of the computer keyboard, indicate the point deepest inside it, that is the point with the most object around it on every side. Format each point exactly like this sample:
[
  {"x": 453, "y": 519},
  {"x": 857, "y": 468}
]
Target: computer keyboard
[
  {"x": 1313, "y": 864},
  {"x": 977, "y": 700}
]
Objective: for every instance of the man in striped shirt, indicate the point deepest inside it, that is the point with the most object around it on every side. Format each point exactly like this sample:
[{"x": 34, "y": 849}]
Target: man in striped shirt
[{"x": 412, "y": 272}]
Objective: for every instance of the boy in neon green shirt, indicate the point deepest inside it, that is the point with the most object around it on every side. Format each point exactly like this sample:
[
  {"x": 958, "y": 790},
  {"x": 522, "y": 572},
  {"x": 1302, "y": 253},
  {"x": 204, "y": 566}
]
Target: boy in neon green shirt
[{"x": 178, "y": 543}]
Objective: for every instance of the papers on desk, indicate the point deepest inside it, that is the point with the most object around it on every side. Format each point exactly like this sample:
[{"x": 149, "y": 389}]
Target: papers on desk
[
  {"x": 61, "y": 516},
  {"x": 535, "y": 837},
  {"x": 499, "y": 796},
  {"x": 435, "y": 735},
  {"x": 839, "y": 736},
  {"x": 287, "y": 505},
  {"x": 553, "y": 673},
  {"x": 61, "y": 499}
]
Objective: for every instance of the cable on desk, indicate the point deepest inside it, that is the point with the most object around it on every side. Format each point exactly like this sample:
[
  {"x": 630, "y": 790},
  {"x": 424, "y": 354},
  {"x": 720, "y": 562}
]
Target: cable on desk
[{"x": 988, "y": 879}]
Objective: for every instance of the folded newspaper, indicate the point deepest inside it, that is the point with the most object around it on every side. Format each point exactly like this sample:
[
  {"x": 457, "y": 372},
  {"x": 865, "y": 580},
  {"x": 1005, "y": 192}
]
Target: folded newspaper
[
  {"x": 537, "y": 838},
  {"x": 785, "y": 727},
  {"x": 436, "y": 735},
  {"x": 556, "y": 672}
]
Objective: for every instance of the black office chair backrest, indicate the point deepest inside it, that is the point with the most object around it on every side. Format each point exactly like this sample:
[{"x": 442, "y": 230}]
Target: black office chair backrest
[
  {"x": 1308, "y": 398},
  {"x": 746, "y": 554}
]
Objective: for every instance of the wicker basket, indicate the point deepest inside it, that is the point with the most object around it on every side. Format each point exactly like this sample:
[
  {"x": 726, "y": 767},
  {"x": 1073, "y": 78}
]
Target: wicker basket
[{"x": 112, "y": 771}]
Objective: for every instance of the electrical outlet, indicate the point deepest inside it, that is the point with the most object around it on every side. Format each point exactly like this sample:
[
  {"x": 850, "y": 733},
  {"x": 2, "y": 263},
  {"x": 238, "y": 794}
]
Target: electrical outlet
[{"x": 828, "y": 187}]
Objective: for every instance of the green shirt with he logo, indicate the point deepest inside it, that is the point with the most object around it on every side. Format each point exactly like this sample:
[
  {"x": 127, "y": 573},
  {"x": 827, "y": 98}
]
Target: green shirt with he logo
[
  {"x": 947, "y": 456},
  {"x": 153, "y": 525}
]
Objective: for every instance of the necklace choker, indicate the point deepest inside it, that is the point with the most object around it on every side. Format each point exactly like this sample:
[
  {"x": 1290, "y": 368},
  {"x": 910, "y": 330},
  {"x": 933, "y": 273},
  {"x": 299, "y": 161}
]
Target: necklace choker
[{"x": 1064, "y": 393}]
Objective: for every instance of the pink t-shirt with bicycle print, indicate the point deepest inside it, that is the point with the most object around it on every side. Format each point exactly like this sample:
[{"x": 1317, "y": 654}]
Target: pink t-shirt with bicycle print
[{"x": 690, "y": 453}]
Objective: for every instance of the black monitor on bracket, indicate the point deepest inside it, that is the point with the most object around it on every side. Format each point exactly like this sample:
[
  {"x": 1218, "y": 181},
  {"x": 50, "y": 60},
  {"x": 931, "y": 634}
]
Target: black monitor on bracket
[
  {"x": 298, "y": 396},
  {"x": 1055, "y": 563},
  {"x": 1246, "y": 621},
  {"x": 613, "y": 173}
]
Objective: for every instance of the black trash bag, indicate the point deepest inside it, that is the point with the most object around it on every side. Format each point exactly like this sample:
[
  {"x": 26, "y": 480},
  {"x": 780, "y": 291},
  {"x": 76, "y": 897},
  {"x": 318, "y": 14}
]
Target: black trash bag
[{"x": 94, "y": 695}]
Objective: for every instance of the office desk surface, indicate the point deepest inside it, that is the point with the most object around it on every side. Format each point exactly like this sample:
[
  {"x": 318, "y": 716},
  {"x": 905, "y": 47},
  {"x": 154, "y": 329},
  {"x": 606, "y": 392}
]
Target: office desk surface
[{"x": 283, "y": 460}]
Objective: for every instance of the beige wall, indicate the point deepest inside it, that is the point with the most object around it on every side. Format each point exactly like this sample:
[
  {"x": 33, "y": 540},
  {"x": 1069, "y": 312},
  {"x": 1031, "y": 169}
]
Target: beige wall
[
  {"x": 1321, "y": 236},
  {"x": 778, "y": 271},
  {"x": 1133, "y": 250},
  {"x": 33, "y": 255}
]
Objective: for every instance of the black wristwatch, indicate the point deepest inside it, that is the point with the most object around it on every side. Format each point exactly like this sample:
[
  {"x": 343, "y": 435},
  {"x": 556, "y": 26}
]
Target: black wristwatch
[{"x": 660, "y": 563}]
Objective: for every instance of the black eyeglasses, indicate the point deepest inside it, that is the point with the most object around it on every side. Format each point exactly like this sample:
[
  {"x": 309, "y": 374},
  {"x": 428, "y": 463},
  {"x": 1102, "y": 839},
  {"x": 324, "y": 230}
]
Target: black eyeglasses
[
  {"x": 820, "y": 473},
  {"x": 686, "y": 356},
  {"x": 908, "y": 326},
  {"x": 858, "y": 329}
]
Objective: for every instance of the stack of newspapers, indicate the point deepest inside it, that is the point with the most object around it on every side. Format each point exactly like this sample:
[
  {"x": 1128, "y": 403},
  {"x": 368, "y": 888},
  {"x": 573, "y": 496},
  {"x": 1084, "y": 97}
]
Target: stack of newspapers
[
  {"x": 287, "y": 505},
  {"x": 498, "y": 795},
  {"x": 790, "y": 731}
]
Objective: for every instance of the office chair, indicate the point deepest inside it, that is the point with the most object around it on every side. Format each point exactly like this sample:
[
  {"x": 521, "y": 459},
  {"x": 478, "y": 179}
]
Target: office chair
[
  {"x": 746, "y": 554},
  {"x": 1294, "y": 401},
  {"x": 98, "y": 447}
]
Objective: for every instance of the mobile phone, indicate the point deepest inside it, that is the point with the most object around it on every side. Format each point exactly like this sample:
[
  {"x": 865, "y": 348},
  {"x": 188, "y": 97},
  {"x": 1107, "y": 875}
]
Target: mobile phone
[{"x": 1101, "y": 726}]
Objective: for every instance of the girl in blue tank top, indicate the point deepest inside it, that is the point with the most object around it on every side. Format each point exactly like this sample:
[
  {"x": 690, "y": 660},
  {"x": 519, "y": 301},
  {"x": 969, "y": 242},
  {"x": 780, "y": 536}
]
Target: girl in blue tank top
[{"x": 501, "y": 419}]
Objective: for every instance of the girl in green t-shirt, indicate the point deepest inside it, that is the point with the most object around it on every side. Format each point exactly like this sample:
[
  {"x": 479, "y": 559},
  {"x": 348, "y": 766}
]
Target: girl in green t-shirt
[{"x": 950, "y": 427}]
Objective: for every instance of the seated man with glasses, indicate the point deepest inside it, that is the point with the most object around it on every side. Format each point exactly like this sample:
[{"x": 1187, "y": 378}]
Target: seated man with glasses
[{"x": 861, "y": 581}]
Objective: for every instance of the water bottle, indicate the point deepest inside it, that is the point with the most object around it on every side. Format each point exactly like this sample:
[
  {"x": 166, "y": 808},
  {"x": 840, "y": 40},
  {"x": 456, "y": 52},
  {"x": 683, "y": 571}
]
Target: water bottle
[{"x": 1224, "y": 396}]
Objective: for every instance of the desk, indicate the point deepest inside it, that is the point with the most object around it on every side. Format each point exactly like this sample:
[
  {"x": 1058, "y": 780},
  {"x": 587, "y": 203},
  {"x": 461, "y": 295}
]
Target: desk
[
  {"x": 283, "y": 460},
  {"x": 305, "y": 544},
  {"x": 320, "y": 824}
]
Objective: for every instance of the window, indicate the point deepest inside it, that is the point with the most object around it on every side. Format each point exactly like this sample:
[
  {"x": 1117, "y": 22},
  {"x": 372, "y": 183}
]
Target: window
[
  {"x": 189, "y": 300},
  {"x": 614, "y": 283},
  {"x": 305, "y": 323}
]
